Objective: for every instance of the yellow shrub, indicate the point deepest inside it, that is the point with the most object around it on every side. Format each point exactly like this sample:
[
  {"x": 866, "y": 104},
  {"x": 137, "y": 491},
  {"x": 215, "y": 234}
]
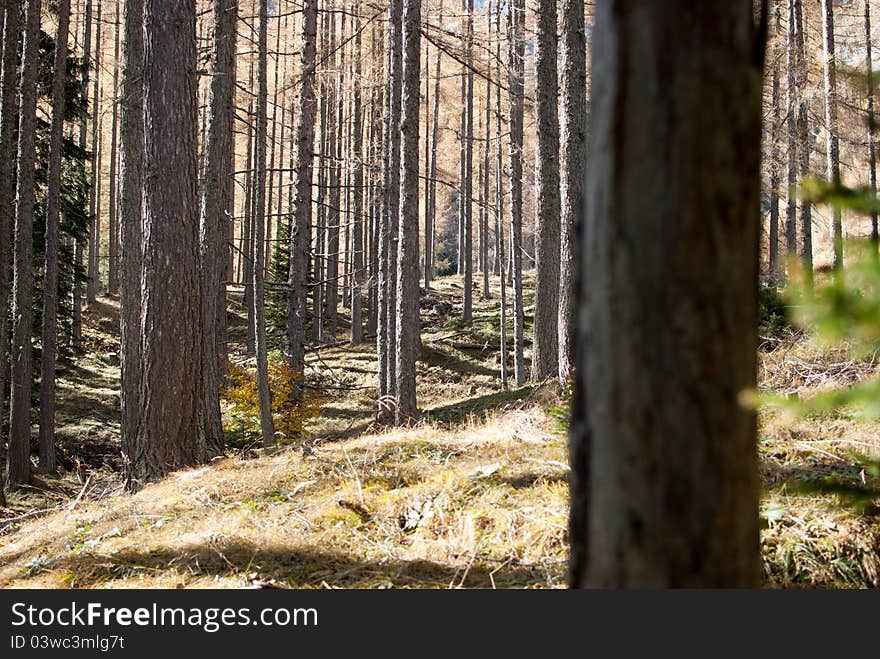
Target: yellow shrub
[{"x": 291, "y": 417}]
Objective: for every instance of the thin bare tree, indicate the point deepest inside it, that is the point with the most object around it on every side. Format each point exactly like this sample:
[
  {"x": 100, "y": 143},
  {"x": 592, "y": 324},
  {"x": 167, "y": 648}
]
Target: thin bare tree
[
  {"x": 18, "y": 460},
  {"x": 216, "y": 214},
  {"x": 301, "y": 204},
  {"x": 516, "y": 86},
  {"x": 48, "y": 460}
]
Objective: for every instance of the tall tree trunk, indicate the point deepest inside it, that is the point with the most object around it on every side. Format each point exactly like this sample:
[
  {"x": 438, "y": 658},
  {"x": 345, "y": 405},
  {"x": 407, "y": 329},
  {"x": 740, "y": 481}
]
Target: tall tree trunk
[
  {"x": 216, "y": 213},
  {"x": 484, "y": 209},
  {"x": 872, "y": 147},
  {"x": 80, "y": 245},
  {"x": 357, "y": 266},
  {"x": 319, "y": 284},
  {"x": 573, "y": 156},
  {"x": 250, "y": 222},
  {"x": 9, "y": 79},
  {"x": 377, "y": 167},
  {"x": 113, "y": 229},
  {"x": 516, "y": 84},
  {"x": 267, "y": 427},
  {"x": 244, "y": 230},
  {"x": 426, "y": 268},
  {"x": 832, "y": 140},
  {"x": 319, "y": 261},
  {"x": 271, "y": 211},
  {"x": 48, "y": 461},
  {"x": 282, "y": 229},
  {"x": 333, "y": 153},
  {"x": 389, "y": 217},
  {"x": 431, "y": 210},
  {"x": 499, "y": 202},
  {"x": 169, "y": 436},
  {"x": 130, "y": 218},
  {"x": 407, "y": 343},
  {"x": 793, "y": 102},
  {"x": 297, "y": 297},
  {"x": 665, "y": 485},
  {"x": 467, "y": 192},
  {"x": 775, "y": 119},
  {"x": 545, "y": 338},
  {"x": 805, "y": 142},
  {"x": 18, "y": 460},
  {"x": 94, "y": 270},
  {"x": 462, "y": 147},
  {"x": 346, "y": 163}
]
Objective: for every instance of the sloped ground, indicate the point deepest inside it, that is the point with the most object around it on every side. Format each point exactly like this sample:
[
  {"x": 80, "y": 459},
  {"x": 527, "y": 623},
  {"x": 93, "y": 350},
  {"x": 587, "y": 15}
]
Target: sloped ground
[
  {"x": 480, "y": 506},
  {"x": 476, "y": 496}
]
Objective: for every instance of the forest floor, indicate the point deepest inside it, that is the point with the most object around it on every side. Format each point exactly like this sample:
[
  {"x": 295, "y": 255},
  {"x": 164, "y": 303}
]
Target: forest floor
[{"x": 474, "y": 496}]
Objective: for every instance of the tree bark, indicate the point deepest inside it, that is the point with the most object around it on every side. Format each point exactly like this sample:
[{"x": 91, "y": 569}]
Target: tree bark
[
  {"x": 80, "y": 245},
  {"x": 499, "y": 203},
  {"x": 775, "y": 119},
  {"x": 18, "y": 461},
  {"x": 408, "y": 250},
  {"x": 251, "y": 218},
  {"x": 545, "y": 339},
  {"x": 832, "y": 139},
  {"x": 9, "y": 79},
  {"x": 170, "y": 435},
  {"x": 94, "y": 270},
  {"x": 267, "y": 427},
  {"x": 279, "y": 83},
  {"x": 332, "y": 156},
  {"x": 573, "y": 156},
  {"x": 389, "y": 218},
  {"x": 484, "y": 206},
  {"x": 462, "y": 146},
  {"x": 426, "y": 251},
  {"x": 244, "y": 231},
  {"x": 297, "y": 298},
  {"x": 793, "y": 101},
  {"x": 216, "y": 213},
  {"x": 516, "y": 81},
  {"x": 357, "y": 266},
  {"x": 467, "y": 192},
  {"x": 48, "y": 461},
  {"x": 377, "y": 168},
  {"x": 130, "y": 217},
  {"x": 319, "y": 261},
  {"x": 805, "y": 143},
  {"x": 665, "y": 479},
  {"x": 872, "y": 147},
  {"x": 113, "y": 228},
  {"x": 431, "y": 210}
]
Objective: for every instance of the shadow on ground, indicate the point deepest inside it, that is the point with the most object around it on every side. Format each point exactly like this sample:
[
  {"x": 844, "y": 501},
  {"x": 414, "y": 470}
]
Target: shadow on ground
[
  {"x": 460, "y": 411},
  {"x": 292, "y": 567}
]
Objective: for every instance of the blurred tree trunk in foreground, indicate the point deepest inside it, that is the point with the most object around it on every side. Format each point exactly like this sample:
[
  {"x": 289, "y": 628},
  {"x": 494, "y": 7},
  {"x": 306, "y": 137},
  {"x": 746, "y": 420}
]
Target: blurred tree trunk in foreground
[{"x": 664, "y": 467}]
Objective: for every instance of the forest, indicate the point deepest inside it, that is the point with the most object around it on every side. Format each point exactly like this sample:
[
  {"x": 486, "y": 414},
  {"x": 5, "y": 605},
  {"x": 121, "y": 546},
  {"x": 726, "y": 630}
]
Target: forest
[{"x": 439, "y": 294}]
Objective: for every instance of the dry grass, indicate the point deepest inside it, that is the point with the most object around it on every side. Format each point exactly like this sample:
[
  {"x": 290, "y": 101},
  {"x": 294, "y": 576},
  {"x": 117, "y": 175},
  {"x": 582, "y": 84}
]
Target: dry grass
[
  {"x": 480, "y": 506},
  {"x": 475, "y": 496},
  {"x": 815, "y": 540}
]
